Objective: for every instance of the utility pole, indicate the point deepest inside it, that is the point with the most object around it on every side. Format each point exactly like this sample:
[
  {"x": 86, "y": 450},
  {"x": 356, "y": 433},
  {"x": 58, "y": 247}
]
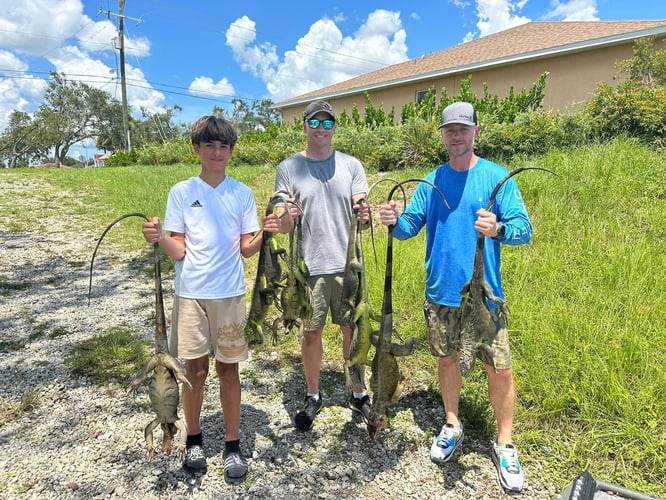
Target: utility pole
[{"x": 123, "y": 82}]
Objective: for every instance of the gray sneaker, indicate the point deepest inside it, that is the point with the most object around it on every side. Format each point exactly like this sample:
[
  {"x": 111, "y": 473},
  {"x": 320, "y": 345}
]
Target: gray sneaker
[
  {"x": 195, "y": 458},
  {"x": 510, "y": 472},
  {"x": 235, "y": 467},
  {"x": 446, "y": 443}
]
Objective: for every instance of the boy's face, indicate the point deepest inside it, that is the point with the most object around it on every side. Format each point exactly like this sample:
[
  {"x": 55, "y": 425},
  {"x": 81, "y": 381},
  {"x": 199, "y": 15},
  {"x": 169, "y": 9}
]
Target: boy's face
[{"x": 214, "y": 155}]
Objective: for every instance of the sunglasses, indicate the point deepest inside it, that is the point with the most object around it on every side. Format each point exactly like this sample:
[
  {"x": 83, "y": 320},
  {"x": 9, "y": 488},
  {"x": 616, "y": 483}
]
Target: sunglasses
[{"x": 314, "y": 123}]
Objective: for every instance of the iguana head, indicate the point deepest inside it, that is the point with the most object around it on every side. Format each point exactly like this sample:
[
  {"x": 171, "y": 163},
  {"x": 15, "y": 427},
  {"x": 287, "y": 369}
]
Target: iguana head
[{"x": 377, "y": 420}]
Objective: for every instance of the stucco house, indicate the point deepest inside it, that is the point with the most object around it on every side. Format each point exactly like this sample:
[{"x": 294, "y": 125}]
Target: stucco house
[{"x": 576, "y": 54}]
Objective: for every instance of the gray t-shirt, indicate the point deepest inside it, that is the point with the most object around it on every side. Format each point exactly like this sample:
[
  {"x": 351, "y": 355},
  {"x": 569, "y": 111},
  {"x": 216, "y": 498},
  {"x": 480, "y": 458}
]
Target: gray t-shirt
[{"x": 325, "y": 188}]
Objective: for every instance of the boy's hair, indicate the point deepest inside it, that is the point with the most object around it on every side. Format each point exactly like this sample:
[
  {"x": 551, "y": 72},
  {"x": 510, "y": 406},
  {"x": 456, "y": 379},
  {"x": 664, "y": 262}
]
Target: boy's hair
[{"x": 213, "y": 128}]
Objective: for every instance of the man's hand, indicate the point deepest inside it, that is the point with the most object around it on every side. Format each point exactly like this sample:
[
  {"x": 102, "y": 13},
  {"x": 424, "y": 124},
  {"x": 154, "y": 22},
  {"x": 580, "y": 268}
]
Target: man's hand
[
  {"x": 486, "y": 223},
  {"x": 388, "y": 213}
]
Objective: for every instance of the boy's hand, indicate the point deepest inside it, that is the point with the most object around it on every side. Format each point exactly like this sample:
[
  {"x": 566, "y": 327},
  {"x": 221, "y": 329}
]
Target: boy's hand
[
  {"x": 152, "y": 231},
  {"x": 271, "y": 223}
]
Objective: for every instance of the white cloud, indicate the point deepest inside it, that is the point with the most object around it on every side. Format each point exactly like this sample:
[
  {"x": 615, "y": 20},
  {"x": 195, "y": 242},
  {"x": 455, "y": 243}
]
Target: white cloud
[
  {"x": 61, "y": 33},
  {"x": 261, "y": 59},
  {"x": 78, "y": 65},
  {"x": 37, "y": 26},
  {"x": 103, "y": 35},
  {"x": 8, "y": 61},
  {"x": 574, "y": 10},
  {"x": 203, "y": 85},
  {"x": 323, "y": 56},
  {"x": 499, "y": 15}
]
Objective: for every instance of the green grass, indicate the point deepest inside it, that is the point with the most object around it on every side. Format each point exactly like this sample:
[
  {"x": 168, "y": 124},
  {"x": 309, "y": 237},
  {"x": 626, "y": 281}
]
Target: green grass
[
  {"x": 586, "y": 298},
  {"x": 116, "y": 355}
]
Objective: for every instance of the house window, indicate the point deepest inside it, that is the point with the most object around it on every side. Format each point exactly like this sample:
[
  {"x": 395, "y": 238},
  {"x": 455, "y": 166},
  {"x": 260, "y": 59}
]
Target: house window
[{"x": 422, "y": 94}]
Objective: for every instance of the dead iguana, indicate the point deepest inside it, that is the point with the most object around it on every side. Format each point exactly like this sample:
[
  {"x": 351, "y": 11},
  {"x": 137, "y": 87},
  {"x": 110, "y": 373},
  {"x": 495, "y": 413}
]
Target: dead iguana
[
  {"x": 361, "y": 311},
  {"x": 386, "y": 381},
  {"x": 296, "y": 296},
  {"x": 166, "y": 370},
  {"x": 267, "y": 280},
  {"x": 474, "y": 310}
]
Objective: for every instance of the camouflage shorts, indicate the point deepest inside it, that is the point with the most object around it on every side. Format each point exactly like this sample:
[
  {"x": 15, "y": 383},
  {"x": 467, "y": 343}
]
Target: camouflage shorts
[{"x": 444, "y": 334}]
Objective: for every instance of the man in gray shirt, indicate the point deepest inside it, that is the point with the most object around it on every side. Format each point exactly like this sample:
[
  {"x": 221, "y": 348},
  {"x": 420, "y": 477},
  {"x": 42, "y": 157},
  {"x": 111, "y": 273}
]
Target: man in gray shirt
[{"x": 329, "y": 184}]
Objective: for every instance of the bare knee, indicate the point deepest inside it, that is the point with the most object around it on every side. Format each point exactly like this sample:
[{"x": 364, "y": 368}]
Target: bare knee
[
  {"x": 226, "y": 372},
  {"x": 311, "y": 337},
  {"x": 447, "y": 362},
  {"x": 196, "y": 372}
]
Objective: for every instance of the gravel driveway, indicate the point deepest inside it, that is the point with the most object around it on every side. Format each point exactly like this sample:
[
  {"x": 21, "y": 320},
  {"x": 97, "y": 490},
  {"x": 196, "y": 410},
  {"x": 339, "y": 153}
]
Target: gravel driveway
[{"x": 82, "y": 440}]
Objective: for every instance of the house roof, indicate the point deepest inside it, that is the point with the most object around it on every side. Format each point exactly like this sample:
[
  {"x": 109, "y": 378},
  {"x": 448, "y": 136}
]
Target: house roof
[{"x": 527, "y": 41}]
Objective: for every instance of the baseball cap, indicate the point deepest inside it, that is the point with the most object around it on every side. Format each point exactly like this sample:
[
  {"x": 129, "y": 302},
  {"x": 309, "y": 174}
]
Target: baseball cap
[
  {"x": 459, "y": 112},
  {"x": 318, "y": 107}
]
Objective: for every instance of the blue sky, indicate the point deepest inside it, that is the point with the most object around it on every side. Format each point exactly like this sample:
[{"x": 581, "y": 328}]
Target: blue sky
[{"x": 203, "y": 53}]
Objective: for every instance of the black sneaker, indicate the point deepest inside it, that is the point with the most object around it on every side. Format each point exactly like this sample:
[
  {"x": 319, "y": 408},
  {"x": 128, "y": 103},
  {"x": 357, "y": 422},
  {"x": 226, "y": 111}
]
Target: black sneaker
[
  {"x": 195, "y": 458},
  {"x": 305, "y": 417},
  {"x": 361, "y": 406},
  {"x": 235, "y": 467}
]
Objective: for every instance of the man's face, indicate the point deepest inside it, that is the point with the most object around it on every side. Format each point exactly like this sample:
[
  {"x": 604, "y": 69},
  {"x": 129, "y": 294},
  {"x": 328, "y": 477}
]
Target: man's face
[
  {"x": 459, "y": 138},
  {"x": 320, "y": 134}
]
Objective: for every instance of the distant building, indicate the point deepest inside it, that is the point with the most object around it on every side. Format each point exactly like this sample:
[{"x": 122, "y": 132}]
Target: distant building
[
  {"x": 577, "y": 56},
  {"x": 100, "y": 159}
]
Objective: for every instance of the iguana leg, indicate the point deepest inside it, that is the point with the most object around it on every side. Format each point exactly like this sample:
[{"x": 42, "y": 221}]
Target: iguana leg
[
  {"x": 148, "y": 434},
  {"x": 182, "y": 436},
  {"x": 177, "y": 368}
]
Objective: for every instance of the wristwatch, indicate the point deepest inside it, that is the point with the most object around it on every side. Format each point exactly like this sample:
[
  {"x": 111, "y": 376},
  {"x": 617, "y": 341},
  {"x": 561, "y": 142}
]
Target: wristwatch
[{"x": 501, "y": 231}]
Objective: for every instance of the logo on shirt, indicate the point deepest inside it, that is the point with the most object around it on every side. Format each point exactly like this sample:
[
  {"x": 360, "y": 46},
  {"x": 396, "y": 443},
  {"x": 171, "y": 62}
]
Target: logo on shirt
[{"x": 196, "y": 204}]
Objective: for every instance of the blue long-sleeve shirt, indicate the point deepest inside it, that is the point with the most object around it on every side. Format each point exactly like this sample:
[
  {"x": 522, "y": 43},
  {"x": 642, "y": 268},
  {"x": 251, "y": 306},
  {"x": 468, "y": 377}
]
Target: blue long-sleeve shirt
[{"x": 450, "y": 234}]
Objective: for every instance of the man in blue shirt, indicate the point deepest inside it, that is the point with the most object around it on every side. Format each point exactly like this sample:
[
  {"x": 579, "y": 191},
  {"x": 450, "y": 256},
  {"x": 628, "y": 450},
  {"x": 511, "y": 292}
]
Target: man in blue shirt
[{"x": 466, "y": 181}]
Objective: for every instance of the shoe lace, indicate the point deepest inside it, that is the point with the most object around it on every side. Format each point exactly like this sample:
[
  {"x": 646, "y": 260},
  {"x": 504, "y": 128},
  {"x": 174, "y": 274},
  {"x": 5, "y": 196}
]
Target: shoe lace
[
  {"x": 195, "y": 453},
  {"x": 510, "y": 459},
  {"x": 447, "y": 437}
]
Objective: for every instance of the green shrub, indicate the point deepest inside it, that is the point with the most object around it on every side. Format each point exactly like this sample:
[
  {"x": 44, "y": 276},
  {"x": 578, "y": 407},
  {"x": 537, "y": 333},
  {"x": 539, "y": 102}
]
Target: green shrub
[
  {"x": 632, "y": 109},
  {"x": 421, "y": 144},
  {"x": 122, "y": 159},
  {"x": 269, "y": 147},
  {"x": 531, "y": 133}
]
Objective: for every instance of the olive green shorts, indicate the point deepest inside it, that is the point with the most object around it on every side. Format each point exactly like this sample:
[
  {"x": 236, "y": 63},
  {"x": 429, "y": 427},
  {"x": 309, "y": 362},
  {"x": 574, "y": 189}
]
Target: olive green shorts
[
  {"x": 444, "y": 334},
  {"x": 326, "y": 294}
]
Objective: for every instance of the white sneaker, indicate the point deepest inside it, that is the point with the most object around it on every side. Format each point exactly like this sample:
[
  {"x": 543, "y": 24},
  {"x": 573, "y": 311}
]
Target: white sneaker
[
  {"x": 511, "y": 475},
  {"x": 446, "y": 443}
]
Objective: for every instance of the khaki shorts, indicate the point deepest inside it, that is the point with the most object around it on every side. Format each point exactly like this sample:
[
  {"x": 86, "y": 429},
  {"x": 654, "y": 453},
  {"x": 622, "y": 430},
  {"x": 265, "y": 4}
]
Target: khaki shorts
[
  {"x": 326, "y": 293},
  {"x": 198, "y": 325},
  {"x": 444, "y": 334}
]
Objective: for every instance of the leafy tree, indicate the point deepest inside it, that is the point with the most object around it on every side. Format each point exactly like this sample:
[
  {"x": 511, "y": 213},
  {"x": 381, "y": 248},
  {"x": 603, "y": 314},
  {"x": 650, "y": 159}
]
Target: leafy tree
[
  {"x": 17, "y": 142},
  {"x": 71, "y": 112},
  {"x": 647, "y": 65},
  {"x": 156, "y": 127},
  {"x": 265, "y": 114},
  {"x": 257, "y": 117},
  {"x": 111, "y": 137}
]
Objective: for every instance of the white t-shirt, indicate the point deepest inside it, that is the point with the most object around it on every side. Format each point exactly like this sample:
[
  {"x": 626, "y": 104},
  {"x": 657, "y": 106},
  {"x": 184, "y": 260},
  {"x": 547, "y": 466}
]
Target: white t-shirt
[{"x": 213, "y": 220}]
